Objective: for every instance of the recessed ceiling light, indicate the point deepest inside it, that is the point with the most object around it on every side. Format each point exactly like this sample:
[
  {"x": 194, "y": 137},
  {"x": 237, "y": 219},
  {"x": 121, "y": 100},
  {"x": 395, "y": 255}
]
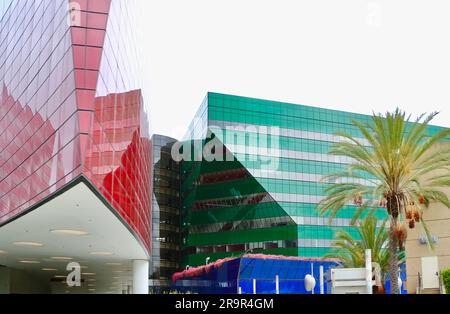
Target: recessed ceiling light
[
  {"x": 102, "y": 253},
  {"x": 88, "y": 274},
  {"x": 114, "y": 264},
  {"x": 60, "y": 276},
  {"x": 29, "y": 262},
  {"x": 61, "y": 258},
  {"x": 49, "y": 269},
  {"x": 91, "y": 285},
  {"x": 118, "y": 271},
  {"x": 115, "y": 277},
  {"x": 69, "y": 232},
  {"x": 25, "y": 243},
  {"x": 92, "y": 280}
]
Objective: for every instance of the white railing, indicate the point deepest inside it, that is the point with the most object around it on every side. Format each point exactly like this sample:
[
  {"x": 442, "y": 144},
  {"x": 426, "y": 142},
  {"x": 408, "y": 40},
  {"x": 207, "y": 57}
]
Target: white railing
[{"x": 419, "y": 284}]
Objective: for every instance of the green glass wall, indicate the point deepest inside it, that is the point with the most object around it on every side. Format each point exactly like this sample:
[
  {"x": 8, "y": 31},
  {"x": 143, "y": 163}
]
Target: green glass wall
[{"x": 265, "y": 198}]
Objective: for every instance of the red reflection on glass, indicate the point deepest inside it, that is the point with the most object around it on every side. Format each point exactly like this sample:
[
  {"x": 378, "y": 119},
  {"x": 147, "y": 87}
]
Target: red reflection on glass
[
  {"x": 35, "y": 158},
  {"x": 118, "y": 159}
]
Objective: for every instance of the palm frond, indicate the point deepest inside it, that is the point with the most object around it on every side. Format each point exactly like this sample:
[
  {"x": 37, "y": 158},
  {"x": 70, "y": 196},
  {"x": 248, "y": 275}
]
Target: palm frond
[{"x": 350, "y": 251}]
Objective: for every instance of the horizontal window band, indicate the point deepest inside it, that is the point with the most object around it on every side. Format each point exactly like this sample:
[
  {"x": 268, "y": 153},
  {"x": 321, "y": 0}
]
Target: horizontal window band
[
  {"x": 295, "y": 123},
  {"x": 285, "y": 132},
  {"x": 274, "y": 187},
  {"x": 268, "y": 222},
  {"x": 267, "y": 155},
  {"x": 266, "y": 235},
  {"x": 268, "y": 210}
]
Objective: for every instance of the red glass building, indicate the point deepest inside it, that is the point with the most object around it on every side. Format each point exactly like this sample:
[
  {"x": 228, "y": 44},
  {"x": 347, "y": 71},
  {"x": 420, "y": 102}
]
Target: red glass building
[{"x": 72, "y": 113}]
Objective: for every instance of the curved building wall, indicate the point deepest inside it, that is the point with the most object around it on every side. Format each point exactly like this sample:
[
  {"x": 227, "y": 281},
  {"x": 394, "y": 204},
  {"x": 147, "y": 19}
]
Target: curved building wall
[{"x": 71, "y": 105}]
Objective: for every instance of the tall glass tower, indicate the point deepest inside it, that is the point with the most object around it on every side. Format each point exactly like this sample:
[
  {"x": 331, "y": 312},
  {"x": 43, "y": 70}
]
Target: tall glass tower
[{"x": 165, "y": 259}]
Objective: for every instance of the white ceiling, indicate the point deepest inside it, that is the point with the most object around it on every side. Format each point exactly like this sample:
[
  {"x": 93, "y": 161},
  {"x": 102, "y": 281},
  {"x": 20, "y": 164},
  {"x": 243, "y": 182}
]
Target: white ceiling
[{"x": 76, "y": 209}]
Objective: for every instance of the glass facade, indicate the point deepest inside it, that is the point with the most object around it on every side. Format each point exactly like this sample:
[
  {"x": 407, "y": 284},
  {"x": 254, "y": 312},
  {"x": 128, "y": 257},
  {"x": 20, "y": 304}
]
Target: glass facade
[
  {"x": 165, "y": 214},
  {"x": 264, "y": 198},
  {"x": 71, "y": 106}
]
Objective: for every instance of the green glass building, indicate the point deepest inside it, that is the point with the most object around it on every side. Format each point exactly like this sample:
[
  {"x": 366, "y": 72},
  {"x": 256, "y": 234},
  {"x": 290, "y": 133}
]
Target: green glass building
[{"x": 260, "y": 191}]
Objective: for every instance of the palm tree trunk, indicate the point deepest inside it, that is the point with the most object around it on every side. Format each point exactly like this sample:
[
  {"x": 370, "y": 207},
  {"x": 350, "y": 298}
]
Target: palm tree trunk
[{"x": 393, "y": 260}]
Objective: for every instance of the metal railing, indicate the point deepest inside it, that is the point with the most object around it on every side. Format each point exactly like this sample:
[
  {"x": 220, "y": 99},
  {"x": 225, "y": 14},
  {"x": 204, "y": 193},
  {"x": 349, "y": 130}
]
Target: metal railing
[
  {"x": 419, "y": 284},
  {"x": 441, "y": 284},
  {"x": 420, "y": 288}
]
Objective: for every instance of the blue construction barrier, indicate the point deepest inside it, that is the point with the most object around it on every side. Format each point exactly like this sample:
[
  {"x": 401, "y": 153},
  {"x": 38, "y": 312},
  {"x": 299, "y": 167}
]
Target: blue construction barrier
[
  {"x": 291, "y": 275},
  {"x": 237, "y": 275}
]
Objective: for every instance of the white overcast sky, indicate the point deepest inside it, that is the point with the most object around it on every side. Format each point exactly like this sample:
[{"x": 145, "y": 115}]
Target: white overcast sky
[{"x": 352, "y": 55}]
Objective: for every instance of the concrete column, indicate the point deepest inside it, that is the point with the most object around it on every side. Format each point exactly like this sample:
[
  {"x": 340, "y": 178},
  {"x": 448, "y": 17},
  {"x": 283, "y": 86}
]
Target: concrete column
[{"x": 140, "y": 277}]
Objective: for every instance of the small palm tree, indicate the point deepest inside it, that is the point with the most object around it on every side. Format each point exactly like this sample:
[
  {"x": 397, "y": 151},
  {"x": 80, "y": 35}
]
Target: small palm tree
[
  {"x": 394, "y": 169},
  {"x": 351, "y": 251}
]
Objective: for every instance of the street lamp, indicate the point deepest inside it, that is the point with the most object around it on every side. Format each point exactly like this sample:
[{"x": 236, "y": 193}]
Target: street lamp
[{"x": 310, "y": 283}]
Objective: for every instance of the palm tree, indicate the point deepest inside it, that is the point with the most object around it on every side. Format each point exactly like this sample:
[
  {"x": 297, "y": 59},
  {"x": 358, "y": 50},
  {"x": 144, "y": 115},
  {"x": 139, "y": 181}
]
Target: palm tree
[
  {"x": 393, "y": 169},
  {"x": 351, "y": 251}
]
